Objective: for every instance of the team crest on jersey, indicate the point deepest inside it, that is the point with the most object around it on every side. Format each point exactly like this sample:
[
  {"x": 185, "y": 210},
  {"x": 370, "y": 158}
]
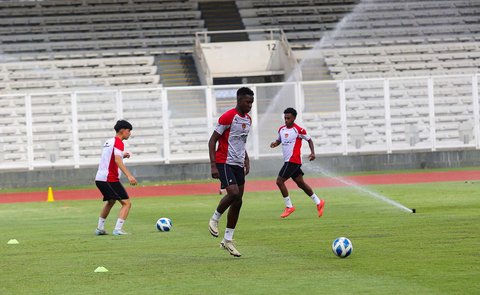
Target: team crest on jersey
[
  {"x": 244, "y": 126},
  {"x": 286, "y": 135}
]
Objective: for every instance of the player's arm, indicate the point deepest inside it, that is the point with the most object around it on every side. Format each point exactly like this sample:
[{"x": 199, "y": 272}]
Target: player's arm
[
  {"x": 247, "y": 163},
  {"x": 311, "y": 157},
  {"x": 275, "y": 144},
  {"x": 211, "y": 151},
  {"x": 119, "y": 161}
]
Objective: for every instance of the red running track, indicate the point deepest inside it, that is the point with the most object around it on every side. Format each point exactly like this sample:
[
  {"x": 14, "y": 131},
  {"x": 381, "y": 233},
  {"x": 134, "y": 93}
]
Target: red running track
[{"x": 251, "y": 186}]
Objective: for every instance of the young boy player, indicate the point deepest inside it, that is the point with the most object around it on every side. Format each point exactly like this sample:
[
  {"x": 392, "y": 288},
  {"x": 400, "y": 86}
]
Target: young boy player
[
  {"x": 108, "y": 178},
  {"x": 290, "y": 136}
]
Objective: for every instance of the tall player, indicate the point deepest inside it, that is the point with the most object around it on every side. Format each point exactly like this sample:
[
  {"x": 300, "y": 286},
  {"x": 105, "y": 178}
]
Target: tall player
[
  {"x": 108, "y": 178},
  {"x": 290, "y": 136},
  {"x": 230, "y": 163}
]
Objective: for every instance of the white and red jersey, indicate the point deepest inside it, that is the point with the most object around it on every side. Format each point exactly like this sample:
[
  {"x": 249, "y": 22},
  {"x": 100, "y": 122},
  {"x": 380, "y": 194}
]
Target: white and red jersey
[
  {"x": 108, "y": 169},
  {"x": 291, "y": 139},
  {"x": 233, "y": 129}
]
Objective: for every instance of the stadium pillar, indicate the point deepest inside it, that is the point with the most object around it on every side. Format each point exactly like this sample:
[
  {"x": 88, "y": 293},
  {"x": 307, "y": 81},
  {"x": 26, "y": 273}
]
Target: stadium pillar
[
  {"x": 166, "y": 129},
  {"x": 431, "y": 111},
  {"x": 76, "y": 148},
  {"x": 343, "y": 117},
  {"x": 388, "y": 119},
  {"x": 476, "y": 110},
  {"x": 256, "y": 136},
  {"x": 29, "y": 125}
]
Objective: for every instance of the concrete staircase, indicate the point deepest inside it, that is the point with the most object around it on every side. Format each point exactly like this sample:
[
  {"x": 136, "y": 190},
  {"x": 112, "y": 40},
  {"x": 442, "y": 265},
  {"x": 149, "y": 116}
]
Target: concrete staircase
[
  {"x": 177, "y": 70},
  {"x": 320, "y": 97},
  {"x": 223, "y": 16}
]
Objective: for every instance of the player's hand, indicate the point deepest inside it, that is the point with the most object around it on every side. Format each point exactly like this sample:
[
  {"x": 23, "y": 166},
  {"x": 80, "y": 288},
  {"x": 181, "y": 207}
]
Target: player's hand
[
  {"x": 247, "y": 167},
  {"x": 311, "y": 157},
  {"x": 274, "y": 144},
  {"x": 132, "y": 180},
  {"x": 215, "y": 173},
  {"x": 127, "y": 155}
]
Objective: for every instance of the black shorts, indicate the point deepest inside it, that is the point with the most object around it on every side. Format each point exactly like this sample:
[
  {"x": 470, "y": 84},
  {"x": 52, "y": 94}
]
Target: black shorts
[
  {"x": 231, "y": 174},
  {"x": 112, "y": 190},
  {"x": 292, "y": 170}
]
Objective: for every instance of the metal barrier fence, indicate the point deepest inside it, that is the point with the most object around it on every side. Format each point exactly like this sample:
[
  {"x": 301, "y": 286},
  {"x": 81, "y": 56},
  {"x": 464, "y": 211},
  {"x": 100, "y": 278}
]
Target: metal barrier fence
[{"x": 67, "y": 129}]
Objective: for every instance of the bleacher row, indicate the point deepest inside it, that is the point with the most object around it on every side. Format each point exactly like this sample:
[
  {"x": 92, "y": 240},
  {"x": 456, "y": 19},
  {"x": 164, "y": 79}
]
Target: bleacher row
[
  {"x": 383, "y": 22},
  {"x": 84, "y": 29},
  {"x": 405, "y": 60},
  {"x": 38, "y": 76}
]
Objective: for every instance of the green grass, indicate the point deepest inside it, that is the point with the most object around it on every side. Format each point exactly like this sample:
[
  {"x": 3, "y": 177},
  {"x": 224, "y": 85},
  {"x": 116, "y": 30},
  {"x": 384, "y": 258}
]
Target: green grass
[{"x": 432, "y": 252}]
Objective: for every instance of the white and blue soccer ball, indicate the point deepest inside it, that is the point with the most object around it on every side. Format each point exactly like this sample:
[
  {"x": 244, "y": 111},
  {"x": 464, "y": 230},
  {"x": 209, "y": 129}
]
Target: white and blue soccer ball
[
  {"x": 164, "y": 224},
  {"x": 342, "y": 247}
]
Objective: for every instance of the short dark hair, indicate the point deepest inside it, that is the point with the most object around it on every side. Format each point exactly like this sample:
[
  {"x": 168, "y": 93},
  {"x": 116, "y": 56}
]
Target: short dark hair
[
  {"x": 290, "y": 111},
  {"x": 122, "y": 124},
  {"x": 244, "y": 91}
]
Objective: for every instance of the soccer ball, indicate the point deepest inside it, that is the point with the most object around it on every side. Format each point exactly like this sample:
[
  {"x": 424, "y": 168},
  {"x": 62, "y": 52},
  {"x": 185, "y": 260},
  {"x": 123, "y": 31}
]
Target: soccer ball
[
  {"x": 164, "y": 224},
  {"x": 342, "y": 247}
]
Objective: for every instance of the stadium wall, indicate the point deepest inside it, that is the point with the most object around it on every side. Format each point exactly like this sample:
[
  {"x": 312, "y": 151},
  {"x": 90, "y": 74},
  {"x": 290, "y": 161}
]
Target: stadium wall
[{"x": 266, "y": 167}]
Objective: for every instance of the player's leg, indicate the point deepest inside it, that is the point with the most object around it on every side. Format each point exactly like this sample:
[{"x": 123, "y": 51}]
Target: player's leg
[
  {"x": 225, "y": 202},
  {"x": 124, "y": 200},
  {"x": 298, "y": 178},
  {"x": 233, "y": 192},
  {"x": 281, "y": 185},
  {"x": 106, "y": 208},
  {"x": 228, "y": 181},
  {"x": 232, "y": 219},
  {"x": 282, "y": 177},
  {"x": 302, "y": 184},
  {"x": 234, "y": 212},
  {"x": 109, "y": 197},
  {"x": 100, "y": 231}
]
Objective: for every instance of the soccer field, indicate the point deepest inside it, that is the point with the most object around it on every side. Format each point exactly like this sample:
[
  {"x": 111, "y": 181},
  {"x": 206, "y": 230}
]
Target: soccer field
[{"x": 432, "y": 252}]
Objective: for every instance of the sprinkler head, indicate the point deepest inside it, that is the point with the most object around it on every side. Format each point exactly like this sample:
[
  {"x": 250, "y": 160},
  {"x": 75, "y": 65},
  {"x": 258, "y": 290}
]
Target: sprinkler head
[{"x": 414, "y": 210}]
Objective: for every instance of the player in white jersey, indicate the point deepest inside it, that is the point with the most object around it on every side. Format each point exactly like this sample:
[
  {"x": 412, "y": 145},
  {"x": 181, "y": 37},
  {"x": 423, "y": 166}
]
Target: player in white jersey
[
  {"x": 230, "y": 163},
  {"x": 108, "y": 178},
  {"x": 290, "y": 136}
]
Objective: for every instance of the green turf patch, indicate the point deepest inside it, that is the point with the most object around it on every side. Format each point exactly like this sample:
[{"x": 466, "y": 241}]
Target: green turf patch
[{"x": 431, "y": 252}]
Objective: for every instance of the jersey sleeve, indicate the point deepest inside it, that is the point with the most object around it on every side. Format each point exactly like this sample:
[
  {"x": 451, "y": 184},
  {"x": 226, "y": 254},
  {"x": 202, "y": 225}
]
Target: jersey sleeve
[
  {"x": 302, "y": 133},
  {"x": 118, "y": 147},
  {"x": 224, "y": 122}
]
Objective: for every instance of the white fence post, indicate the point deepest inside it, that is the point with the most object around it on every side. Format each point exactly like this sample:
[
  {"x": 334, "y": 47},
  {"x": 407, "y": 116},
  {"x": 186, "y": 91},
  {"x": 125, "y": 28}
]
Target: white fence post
[
  {"x": 431, "y": 112},
  {"x": 75, "y": 146},
  {"x": 388, "y": 116},
  {"x": 343, "y": 117},
  {"x": 29, "y": 125},
  {"x": 166, "y": 129},
  {"x": 256, "y": 138},
  {"x": 476, "y": 110},
  {"x": 209, "y": 98}
]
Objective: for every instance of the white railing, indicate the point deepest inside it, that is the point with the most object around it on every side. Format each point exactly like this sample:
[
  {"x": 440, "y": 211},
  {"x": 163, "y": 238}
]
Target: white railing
[{"x": 67, "y": 129}]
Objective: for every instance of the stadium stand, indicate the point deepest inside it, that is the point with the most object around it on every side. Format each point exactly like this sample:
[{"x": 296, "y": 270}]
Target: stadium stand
[
  {"x": 77, "y": 74},
  {"x": 66, "y": 29},
  {"x": 382, "y": 39},
  {"x": 81, "y": 30},
  {"x": 70, "y": 68}
]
